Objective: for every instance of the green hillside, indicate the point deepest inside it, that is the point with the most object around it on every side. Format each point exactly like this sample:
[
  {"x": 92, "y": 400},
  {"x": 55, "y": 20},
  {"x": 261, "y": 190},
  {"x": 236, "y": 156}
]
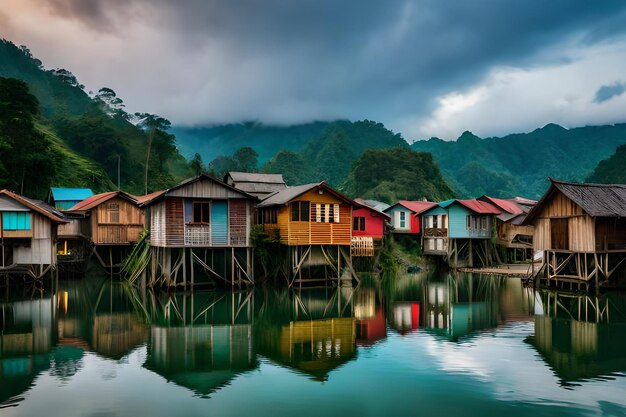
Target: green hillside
[
  {"x": 95, "y": 133},
  {"x": 611, "y": 170},
  {"x": 520, "y": 164}
]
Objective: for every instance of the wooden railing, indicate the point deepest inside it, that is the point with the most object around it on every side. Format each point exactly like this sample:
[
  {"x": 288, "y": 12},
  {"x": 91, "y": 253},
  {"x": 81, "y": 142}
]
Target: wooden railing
[{"x": 435, "y": 232}]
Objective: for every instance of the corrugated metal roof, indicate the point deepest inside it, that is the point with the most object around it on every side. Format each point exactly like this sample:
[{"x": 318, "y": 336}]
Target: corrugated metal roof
[
  {"x": 416, "y": 207},
  {"x": 509, "y": 206},
  {"x": 284, "y": 196},
  {"x": 37, "y": 205},
  {"x": 474, "y": 205},
  {"x": 360, "y": 204},
  {"x": 148, "y": 197},
  {"x": 98, "y": 199},
  {"x": 257, "y": 177},
  {"x": 375, "y": 204},
  {"x": 597, "y": 200},
  {"x": 70, "y": 194}
]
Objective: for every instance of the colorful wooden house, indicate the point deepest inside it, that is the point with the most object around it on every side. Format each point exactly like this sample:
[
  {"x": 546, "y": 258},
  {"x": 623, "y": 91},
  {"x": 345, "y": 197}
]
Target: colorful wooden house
[
  {"x": 112, "y": 223},
  {"x": 28, "y": 233},
  {"x": 515, "y": 238},
  {"x": 315, "y": 222},
  {"x": 368, "y": 229},
  {"x": 258, "y": 185},
  {"x": 66, "y": 198},
  {"x": 460, "y": 231},
  {"x": 581, "y": 230},
  {"x": 405, "y": 216},
  {"x": 202, "y": 223}
]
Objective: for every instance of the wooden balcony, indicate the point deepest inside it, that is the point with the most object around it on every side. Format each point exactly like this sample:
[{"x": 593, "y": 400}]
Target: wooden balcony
[
  {"x": 113, "y": 234},
  {"x": 435, "y": 232}
]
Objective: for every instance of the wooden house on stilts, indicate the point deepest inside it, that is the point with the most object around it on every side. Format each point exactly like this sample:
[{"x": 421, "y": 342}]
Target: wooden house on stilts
[
  {"x": 460, "y": 231},
  {"x": 581, "y": 230},
  {"x": 514, "y": 239},
  {"x": 368, "y": 229},
  {"x": 314, "y": 222},
  {"x": 28, "y": 233},
  {"x": 111, "y": 222},
  {"x": 200, "y": 227}
]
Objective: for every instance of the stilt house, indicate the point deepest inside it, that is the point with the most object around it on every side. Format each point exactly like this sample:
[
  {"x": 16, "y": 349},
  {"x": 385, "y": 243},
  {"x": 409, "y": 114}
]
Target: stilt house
[
  {"x": 368, "y": 229},
  {"x": 581, "y": 229},
  {"x": 28, "y": 233},
  {"x": 517, "y": 239},
  {"x": 405, "y": 216},
  {"x": 315, "y": 222},
  {"x": 460, "y": 231},
  {"x": 203, "y": 222}
]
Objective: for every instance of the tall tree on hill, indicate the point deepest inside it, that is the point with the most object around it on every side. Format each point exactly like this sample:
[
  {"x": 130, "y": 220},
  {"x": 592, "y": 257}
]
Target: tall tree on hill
[
  {"x": 246, "y": 159},
  {"x": 196, "y": 165},
  {"x": 156, "y": 127},
  {"x": 27, "y": 159}
]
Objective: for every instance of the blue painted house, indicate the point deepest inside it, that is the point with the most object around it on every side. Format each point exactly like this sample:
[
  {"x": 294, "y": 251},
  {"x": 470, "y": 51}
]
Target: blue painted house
[
  {"x": 66, "y": 198},
  {"x": 451, "y": 227}
]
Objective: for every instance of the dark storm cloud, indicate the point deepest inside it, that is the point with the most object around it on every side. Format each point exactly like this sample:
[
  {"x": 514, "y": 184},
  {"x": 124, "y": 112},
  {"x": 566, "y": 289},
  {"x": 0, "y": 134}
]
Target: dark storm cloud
[
  {"x": 607, "y": 92},
  {"x": 355, "y": 59}
]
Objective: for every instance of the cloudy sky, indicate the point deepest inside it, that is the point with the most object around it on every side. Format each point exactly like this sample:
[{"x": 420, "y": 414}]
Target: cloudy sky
[{"x": 424, "y": 68}]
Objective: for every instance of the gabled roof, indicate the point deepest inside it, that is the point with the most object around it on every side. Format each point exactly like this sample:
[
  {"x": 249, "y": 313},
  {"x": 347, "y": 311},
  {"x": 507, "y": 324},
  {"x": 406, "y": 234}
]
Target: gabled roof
[
  {"x": 285, "y": 196},
  {"x": 256, "y": 184},
  {"x": 37, "y": 205},
  {"x": 189, "y": 181},
  {"x": 474, "y": 205},
  {"x": 524, "y": 201},
  {"x": 359, "y": 204},
  {"x": 378, "y": 205},
  {"x": 144, "y": 199},
  {"x": 416, "y": 207},
  {"x": 597, "y": 200},
  {"x": 98, "y": 199},
  {"x": 70, "y": 194},
  {"x": 508, "y": 206},
  {"x": 255, "y": 177}
]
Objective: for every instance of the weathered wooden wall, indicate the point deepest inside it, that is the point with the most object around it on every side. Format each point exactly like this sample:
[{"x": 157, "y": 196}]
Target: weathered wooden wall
[
  {"x": 581, "y": 227},
  {"x": 121, "y": 228}
]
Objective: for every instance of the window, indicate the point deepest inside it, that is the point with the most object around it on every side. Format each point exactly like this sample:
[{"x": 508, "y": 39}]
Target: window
[
  {"x": 434, "y": 222},
  {"x": 201, "y": 212},
  {"x": 16, "y": 220},
  {"x": 268, "y": 216},
  {"x": 483, "y": 222},
  {"x": 300, "y": 211},
  {"x": 402, "y": 219},
  {"x": 358, "y": 223},
  {"x": 114, "y": 212},
  {"x": 477, "y": 222},
  {"x": 327, "y": 213}
]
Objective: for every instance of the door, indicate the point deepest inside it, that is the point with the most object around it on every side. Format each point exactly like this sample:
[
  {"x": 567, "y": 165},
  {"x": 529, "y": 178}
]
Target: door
[
  {"x": 219, "y": 223},
  {"x": 559, "y": 234}
]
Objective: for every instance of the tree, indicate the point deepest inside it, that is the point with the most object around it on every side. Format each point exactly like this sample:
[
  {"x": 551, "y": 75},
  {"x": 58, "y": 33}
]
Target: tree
[
  {"x": 155, "y": 126},
  {"x": 246, "y": 159},
  {"x": 196, "y": 164},
  {"x": 26, "y": 156}
]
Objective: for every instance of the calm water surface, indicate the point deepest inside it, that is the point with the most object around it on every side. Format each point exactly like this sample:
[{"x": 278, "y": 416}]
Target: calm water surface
[{"x": 420, "y": 345}]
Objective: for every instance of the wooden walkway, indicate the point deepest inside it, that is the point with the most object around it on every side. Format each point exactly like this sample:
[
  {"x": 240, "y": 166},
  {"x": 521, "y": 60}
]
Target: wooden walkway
[{"x": 514, "y": 270}]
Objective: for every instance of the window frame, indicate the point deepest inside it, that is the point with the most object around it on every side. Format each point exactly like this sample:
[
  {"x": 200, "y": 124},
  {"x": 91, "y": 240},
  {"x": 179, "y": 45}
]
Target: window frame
[{"x": 204, "y": 205}]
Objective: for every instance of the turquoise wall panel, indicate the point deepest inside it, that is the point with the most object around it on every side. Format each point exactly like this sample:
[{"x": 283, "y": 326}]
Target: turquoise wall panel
[
  {"x": 16, "y": 220},
  {"x": 219, "y": 223}
]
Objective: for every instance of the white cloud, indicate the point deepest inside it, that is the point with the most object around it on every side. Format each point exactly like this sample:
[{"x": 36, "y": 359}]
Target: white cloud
[{"x": 518, "y": 99}]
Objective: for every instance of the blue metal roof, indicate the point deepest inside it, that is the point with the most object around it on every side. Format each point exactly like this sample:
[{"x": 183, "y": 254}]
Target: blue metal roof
[
  {"x": 446, "y": 203},
  {"x": 71, "y": 194}
]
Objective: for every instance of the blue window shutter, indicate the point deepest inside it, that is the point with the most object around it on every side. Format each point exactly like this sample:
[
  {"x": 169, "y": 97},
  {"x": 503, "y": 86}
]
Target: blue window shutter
[
  {"x": 188, "y": 211},
  {"x": 12, "y": 220}
]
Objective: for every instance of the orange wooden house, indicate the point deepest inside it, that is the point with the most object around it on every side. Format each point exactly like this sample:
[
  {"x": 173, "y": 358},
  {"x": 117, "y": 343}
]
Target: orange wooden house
[{"x": 315, "y": 222}]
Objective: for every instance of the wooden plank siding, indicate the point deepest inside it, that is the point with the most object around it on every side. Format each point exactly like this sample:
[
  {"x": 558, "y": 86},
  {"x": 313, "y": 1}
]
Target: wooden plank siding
[
  {"x": 581, "y": 236},
  {"x": 312, "y": 232},
  {"x": 116, "y": 221}
]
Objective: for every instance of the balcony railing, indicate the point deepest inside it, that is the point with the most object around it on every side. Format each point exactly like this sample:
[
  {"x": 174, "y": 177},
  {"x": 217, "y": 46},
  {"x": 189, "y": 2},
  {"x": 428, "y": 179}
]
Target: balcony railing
[{"x": 435, "y": 232}]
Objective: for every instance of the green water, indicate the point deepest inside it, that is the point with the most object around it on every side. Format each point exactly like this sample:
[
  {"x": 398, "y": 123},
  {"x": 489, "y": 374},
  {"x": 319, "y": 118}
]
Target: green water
[{"x": 415, "y": 345}]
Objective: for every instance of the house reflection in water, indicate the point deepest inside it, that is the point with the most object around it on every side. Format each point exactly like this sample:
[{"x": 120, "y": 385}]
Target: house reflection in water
[
  {"x": 580, "y": 336},
  {"x": 371, "y": 325},
  {"x": 320, "y": 338},
  {"x": 26, "y": 336},
  {"x": 202, "y": 341}
]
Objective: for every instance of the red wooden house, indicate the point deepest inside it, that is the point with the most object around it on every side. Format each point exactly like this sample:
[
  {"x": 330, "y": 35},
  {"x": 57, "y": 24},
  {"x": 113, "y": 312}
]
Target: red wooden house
[{"x": 368, "y": 225}]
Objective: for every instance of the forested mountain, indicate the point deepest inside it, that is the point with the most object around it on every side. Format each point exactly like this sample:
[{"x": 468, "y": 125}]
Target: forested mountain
[
  {"x": 211, "y": 142},
  {"x": 611, "y": 170},
  {"x": 87, "y": 139},
  {"x": 396, "y": 174},
  {"x": 519, "y": 164}
]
